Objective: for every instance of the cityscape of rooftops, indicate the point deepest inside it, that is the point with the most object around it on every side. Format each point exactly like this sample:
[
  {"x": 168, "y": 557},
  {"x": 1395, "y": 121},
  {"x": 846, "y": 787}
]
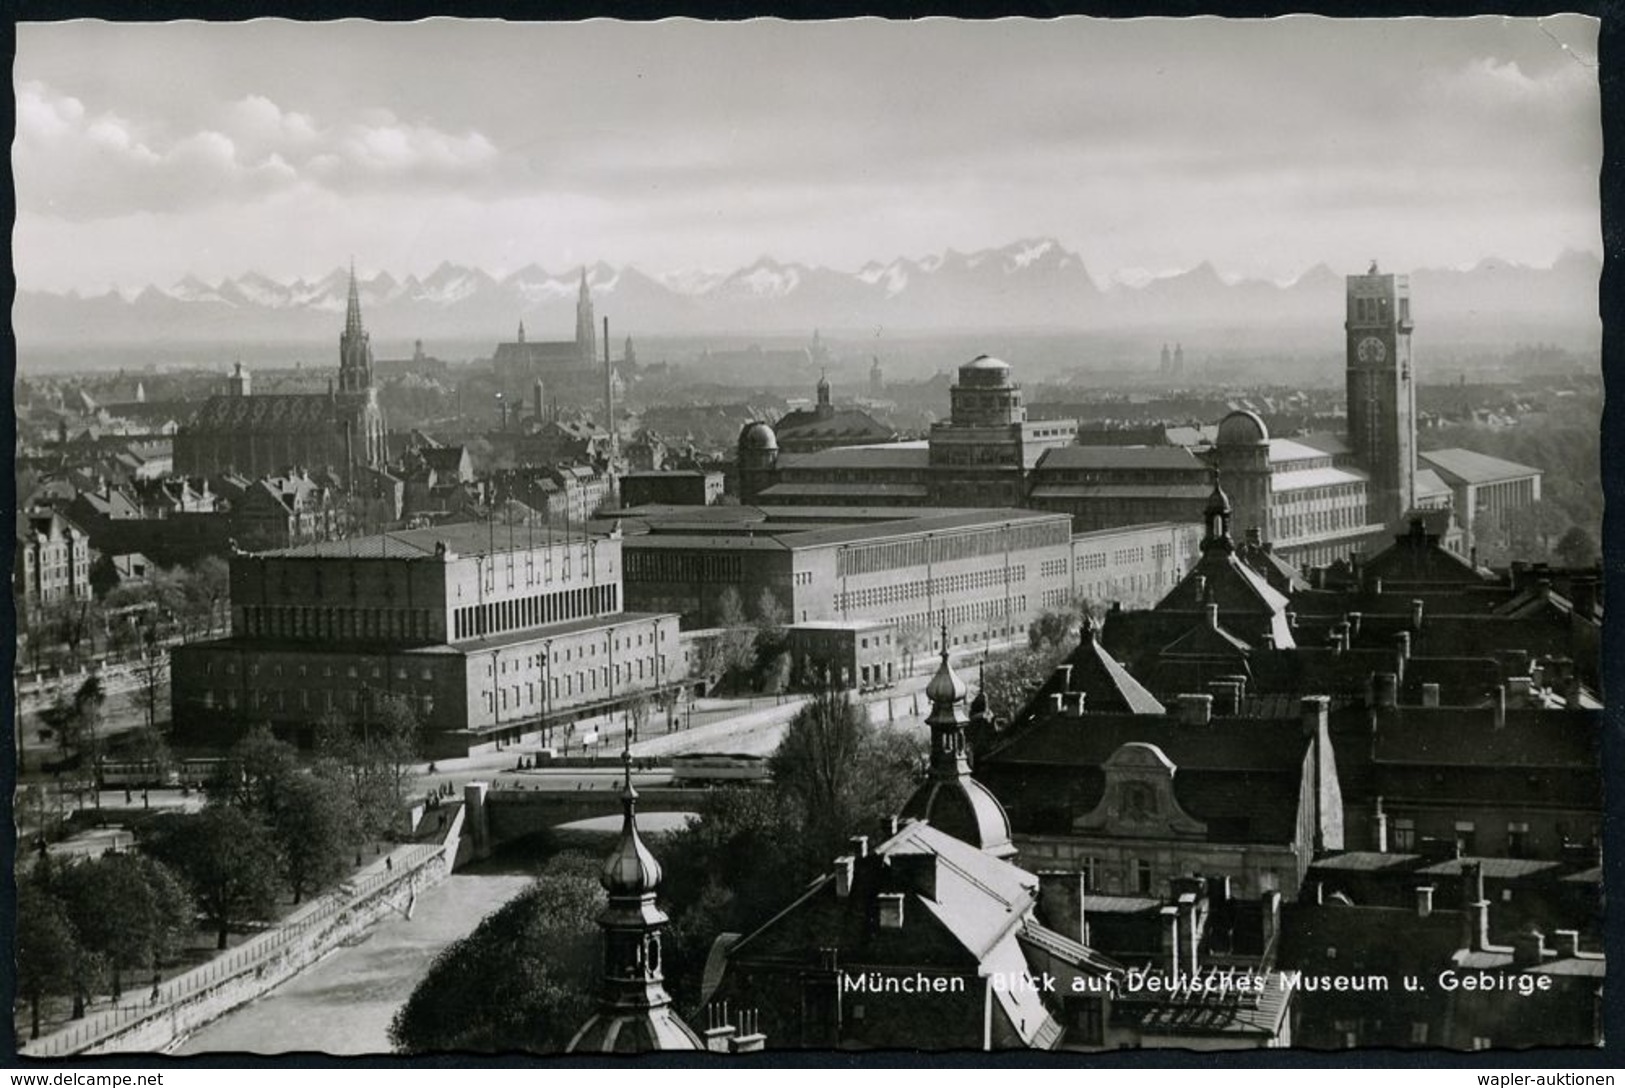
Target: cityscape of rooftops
[{"x": 1070, "y": 535}]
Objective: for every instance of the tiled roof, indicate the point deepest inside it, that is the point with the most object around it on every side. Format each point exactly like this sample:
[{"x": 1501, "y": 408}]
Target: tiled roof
[
  {"x": 1465, "y": 466},
  {"x": 1314, "y": 477},
  {"x": 1194, "y": 492},
  {"x": 1240, "y": 776},
  {"x": 890, "y": 455},
  {"x": 1106, "y": 685},
  {"x": 272, "y": 411},
  {"x": 1169, "y": 458},
  {"x": 1285, "y": 450},
  {"x": 473, "y": 538},
  {"x": 805, "y": 425}
]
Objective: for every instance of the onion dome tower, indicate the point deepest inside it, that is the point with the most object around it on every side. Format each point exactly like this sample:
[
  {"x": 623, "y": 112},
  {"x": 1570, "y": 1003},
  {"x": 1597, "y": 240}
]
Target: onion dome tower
[
  {"x": 634, "y": 1010},
  {"x": 950, "y": 800},
  {"x": 1216, "y": 520}
]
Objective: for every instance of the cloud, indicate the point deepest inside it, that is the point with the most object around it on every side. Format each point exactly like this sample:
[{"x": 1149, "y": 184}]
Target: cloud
[{"x": 73, "y": 163}]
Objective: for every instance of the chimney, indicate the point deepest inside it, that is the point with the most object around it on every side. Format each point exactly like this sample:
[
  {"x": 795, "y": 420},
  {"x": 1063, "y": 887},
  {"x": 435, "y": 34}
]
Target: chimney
[
  {"x": 1424, "y": 901},
  {"x": 1271, "y": 919},
  {"x": 1213, "y": 616},
  {"x": 1199, "y": 584},
  {"x": 1059, "y": 699},
  {"x": 1568, "y": 943},
  {"x": 750, "y": 1039},
  {"x": 1061, "y": 903},
  {"x": 1385, "y": 689},
  {"x": 1498, "y": 702},
  {"x": 537, "y": 390},
  {"x": 1430, "y": 694},
  {"x": 1226, "y": 697},
  {"x": 1376, "y": 587},
  {"x": 844, "y": 866},
  {"x": 1074, "y": 706},
  {"x": 1519, "y": 690},
  {"x": 1313, "y": 712},
  {"x": 1255, "y": 537},
  {"x": 1379, "y": 826},
  {"x": 1195, "y": 709},
  {"x": 1170, "y": 941},
  {"x": 1065, "y": 672},
  {"x": 1402, "y": 642},
  {"x": 860, "y": 846},
  {"x": 1529, "y": 948},
  {"x": 1353, "y": 619},
  {"x": 1193, "y": 930}
]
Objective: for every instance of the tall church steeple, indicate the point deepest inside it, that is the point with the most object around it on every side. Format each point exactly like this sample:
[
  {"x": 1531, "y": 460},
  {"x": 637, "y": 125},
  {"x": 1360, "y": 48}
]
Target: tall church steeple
[
  {"x": 355, "y": 346},
  {"x": 634, "y": 1010},
  {"x": 586, "y": 328}
]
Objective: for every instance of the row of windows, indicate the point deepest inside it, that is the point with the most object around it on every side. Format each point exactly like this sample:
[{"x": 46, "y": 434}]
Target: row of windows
[
  {"x": 476, "y": 621},
  {"x": 1371, "y": 309},
  {"x": 1128, "y": 555},
  {"x": 998, "y": 609},
  {"x": 327, "y": 670},
  {"x": 301, "y": 622},
  {"x": 1324, "y": 521},
  {"x": 926, "y": 587},
  {"x": 534, "y": 571},
  {"x": 605, "y": 678},
  {"x": 644, "y": 566},
  {"x": 1051, "y": 568},
  {"x": 305, "y": 700},
  {"x": 947, "y": 548}
]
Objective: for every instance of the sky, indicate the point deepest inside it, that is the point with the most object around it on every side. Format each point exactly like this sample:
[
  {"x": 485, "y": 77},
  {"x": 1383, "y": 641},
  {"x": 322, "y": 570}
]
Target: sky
[{"x": 147, "y": 152}]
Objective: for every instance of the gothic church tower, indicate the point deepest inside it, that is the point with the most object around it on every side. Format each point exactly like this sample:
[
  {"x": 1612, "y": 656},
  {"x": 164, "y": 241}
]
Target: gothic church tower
[
  {"x": 586, "y": 329},
  {"x": 355, "y": 346}
]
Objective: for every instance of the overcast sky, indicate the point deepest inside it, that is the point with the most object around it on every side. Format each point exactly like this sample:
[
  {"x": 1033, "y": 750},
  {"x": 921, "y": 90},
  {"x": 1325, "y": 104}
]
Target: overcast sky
[{"x": 145, "y": 152}]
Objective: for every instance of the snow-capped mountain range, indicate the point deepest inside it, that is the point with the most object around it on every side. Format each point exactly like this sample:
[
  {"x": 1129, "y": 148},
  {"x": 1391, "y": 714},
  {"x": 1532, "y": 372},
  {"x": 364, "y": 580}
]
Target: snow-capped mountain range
[{"x": 1031, "y": 283}]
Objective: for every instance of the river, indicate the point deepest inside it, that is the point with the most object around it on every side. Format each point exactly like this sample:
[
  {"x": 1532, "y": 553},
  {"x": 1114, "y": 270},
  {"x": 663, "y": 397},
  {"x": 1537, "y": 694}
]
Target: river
[{"x": 344, "y": 1003}]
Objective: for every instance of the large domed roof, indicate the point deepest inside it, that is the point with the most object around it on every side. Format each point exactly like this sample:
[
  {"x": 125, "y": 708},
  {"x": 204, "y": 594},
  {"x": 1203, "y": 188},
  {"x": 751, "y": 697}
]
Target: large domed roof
[
  {"x": 758, "y": 436},
  {"x": 1242, "y": 428},
  {"x": 986, "y": 362}
]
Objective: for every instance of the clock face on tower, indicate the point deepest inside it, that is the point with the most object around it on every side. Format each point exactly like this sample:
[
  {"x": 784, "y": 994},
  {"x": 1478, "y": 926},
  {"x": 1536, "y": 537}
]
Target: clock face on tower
[{"x": 1371, "y": 350}]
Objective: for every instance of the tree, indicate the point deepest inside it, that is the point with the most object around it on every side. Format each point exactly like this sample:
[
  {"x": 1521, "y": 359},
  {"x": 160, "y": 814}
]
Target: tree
[
  {"x": 150, "y": 671},
  {"x": 1576, "y": 548},
  {"x": 228, "y": 858},
  {"x": 842, "y": 772},
  {"x": 1010, "y": 680},
  {"x": 129, "y": 908},
  {"x": 47, "y": 948},
  {"x": 376, "y": 754},
  {"x": 737, "y": 643},
  {"x": 526, "y": 979},
  {"x": 314, "y": 826},
  {"x": 1054, "y": 628},
  {"x": 262, "y": 768}
]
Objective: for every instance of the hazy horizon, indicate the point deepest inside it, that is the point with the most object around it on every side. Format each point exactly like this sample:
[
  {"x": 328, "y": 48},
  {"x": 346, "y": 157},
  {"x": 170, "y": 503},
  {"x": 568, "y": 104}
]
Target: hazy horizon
[{"x": 148, "y": 152}]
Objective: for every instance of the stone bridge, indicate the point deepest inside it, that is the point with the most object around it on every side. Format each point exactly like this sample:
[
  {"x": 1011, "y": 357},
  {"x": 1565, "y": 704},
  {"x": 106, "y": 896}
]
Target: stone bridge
[{"x": 500, "y": 812}]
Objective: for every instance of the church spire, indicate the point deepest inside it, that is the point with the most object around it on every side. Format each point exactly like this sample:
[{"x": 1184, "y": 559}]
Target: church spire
[
  {"x": 352, "y": 309},
  {"x": 634, "y": 1010},
  {"x": 355, "y": 346},
  {"x": 586, "y": 326}
]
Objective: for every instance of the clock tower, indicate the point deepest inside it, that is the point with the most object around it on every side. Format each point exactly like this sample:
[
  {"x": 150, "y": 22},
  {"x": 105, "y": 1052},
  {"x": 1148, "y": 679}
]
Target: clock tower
[{"x": 1382, "y": 392}]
